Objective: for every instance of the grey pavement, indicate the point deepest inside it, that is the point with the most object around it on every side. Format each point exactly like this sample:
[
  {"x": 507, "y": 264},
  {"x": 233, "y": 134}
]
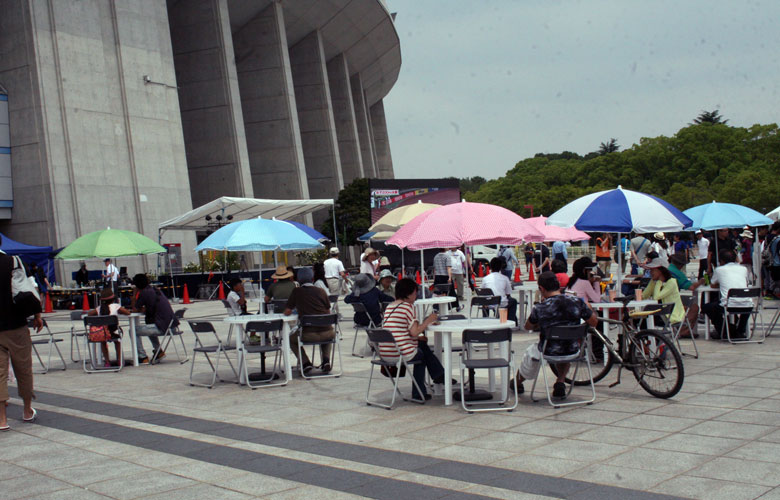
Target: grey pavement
[{"x": 146, "y": 433}]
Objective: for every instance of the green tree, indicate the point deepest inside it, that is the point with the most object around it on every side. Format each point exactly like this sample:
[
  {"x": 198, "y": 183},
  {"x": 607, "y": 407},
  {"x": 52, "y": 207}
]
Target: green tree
[
  {"x": 611, "y": 146},
  {"x": 353, "y": 213},
  {"x": 711, "y": 117}
]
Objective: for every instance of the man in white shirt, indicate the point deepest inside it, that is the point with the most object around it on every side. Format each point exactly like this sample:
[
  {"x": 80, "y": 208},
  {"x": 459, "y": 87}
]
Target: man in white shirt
[
  {"x": 458, "y": 261},
  {"x": 726, "y": 276},
  {"x": 334, "y": 272},
  {"x": 110, "y": 276},
  {"x": 702, "y": 250},
  {"x": 500, "y": 285}
]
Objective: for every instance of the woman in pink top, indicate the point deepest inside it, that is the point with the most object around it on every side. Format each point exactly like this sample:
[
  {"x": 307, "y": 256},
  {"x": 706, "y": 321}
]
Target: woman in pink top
[
  {"x": 410, "y": 337},
  {"x": 584, "y": 283}
]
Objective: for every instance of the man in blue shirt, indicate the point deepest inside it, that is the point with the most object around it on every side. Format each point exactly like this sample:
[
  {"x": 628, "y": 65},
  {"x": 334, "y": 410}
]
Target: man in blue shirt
[{"x": 559, "y": 253}]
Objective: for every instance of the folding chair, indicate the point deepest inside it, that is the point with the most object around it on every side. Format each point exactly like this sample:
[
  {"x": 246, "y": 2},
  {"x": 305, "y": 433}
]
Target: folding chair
[
  {"x": 271, "y": 331},
  {"x": 320, "y": 320},
  {"x": 46, "y": 338},
  {"x": 375, "y": 337},
  {"x": 442, "y": 288},
  {"x": 360, "y": 308},
  {"x": 753, "y": 293},
  {"x": 75, "y": 333},
  {"x": 771, "y": 306},
  {"x": 676, "y": 328},
  {"x": 168, "y": 337},
  {"x": 91, "y": 347},
  {"x": 483, "y": 302},
  {"x": 566, "y": 333},
  {"x": 488, "y": 339},
  {"x": 203, "y": 328}
]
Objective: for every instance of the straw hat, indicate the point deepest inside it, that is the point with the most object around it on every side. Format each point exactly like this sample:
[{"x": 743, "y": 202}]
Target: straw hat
[
  {"x": 334, "y": 250},
  {"x": 281, "y": 273},
  {"x": 747, "y": 234},
  {"x": 659, "y": 236}
]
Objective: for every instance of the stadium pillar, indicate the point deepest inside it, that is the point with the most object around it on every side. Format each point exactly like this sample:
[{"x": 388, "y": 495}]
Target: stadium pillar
[{"x": 344, "y": 116}]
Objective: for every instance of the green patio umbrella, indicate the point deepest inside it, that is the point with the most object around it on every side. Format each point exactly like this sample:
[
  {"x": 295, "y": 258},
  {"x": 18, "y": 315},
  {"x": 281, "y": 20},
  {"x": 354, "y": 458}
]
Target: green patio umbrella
[{"x": 109, "y": 243}]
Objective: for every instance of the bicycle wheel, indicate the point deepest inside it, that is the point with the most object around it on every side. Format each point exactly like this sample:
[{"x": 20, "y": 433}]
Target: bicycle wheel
[
  {"x": 657, "y": 364},
  {"x": 601, "y": 362}
]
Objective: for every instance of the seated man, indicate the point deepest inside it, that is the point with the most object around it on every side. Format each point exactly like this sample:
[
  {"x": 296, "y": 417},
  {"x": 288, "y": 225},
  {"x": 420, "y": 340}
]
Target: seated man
[
  {"x": 236, "y": 297},
  {"x": 499, "y": 284},
  {"x": 159, "y": 315},
  {"x": 555, "y": 309},
  {"x": 726, "y": 276},
  {"x": 310, "y": 299},
  {"x": 284, "y": 286},
  {"x": 364, "y": 291}
]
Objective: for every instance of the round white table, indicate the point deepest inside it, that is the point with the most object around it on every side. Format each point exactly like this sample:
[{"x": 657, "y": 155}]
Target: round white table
[
  {"x": 420, "y": 305},
  {"x": 287, "y": 322},
  {"x": 442, "y": 347}
]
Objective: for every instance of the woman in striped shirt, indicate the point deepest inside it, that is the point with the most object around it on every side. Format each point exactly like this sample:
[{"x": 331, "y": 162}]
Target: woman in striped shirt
[{"x": 410, "y": 338}]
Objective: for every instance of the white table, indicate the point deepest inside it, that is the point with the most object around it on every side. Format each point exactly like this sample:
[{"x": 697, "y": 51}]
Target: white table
[
  {"x": 420, "y": 305},
  {"x": 287, "y": 322},
  {"x": 604, "y": 307},
  {"x": 697, "y": 294},
  {"x": 442, "y": 347},
  {"x": 525, "y": 293}
]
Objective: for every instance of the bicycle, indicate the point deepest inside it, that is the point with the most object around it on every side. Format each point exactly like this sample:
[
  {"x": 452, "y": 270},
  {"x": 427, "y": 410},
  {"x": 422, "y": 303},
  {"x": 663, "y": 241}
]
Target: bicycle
[{"x": 652, "y": 356}]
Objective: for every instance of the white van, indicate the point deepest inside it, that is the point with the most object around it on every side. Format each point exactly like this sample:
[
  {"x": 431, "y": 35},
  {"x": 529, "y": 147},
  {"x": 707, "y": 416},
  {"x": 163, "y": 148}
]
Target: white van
[{"x": 483, "y": 253}]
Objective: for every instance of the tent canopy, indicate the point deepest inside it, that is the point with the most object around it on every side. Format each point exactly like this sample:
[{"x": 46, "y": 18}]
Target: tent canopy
[
  {"x": 29, "y": 254},
  {"x": 242, "y": 209}
]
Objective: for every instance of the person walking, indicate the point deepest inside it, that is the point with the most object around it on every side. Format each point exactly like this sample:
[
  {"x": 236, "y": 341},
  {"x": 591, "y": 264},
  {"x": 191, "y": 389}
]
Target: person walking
[
  {"x": 15, "y": 342},
  {"x": 335, "y": 274},
  {"x": 459, "y": 270}
]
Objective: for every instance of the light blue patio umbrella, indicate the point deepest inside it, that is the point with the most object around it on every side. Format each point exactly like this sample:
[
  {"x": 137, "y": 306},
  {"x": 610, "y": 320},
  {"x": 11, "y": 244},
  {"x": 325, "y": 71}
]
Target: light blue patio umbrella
[
  {"x": 725, "y": 215},
  {"x": 259, "y": 235}
]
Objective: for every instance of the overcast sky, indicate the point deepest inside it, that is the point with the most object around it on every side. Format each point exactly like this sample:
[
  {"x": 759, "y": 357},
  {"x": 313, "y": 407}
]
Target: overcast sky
[{"x": 486, "y": 83}]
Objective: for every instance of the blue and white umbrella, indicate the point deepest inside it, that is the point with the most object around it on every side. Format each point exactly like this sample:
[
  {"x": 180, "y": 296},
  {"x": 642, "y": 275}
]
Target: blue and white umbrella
[
  {"x": 308, "y": 230},
  {"x": 725, "y": 215},
  {"x": 620, "y": 211},
  {"x": 258, "y": 235}
]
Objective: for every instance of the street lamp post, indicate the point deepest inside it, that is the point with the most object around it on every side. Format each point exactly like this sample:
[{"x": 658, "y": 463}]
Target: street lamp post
[{"x": 531, "y": 208}]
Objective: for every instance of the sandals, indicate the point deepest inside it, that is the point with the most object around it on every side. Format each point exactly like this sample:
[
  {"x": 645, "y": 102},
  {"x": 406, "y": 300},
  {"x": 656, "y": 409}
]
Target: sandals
[
  {"x": 5, "y": 428},
  {"x": 31, "y": 419}
]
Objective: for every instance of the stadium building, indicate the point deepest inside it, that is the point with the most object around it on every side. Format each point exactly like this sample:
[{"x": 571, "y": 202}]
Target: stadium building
[{"x": 125, "y": 113}]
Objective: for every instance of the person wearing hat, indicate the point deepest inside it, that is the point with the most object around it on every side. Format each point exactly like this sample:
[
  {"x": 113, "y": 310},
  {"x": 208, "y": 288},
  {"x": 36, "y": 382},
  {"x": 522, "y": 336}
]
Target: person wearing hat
[
  {"x": 746, "y": 252},
  {"x": 386, "y": 283},
  {"x": 663, "y": 288},
  {"x": 109, "y": 307},
  {"x": 310, "y": 299},
  {"x": 335, "y": 274},
  {"x": 368, "y": 262},
  {"x": 584, "y": 282},
  {"x": 661, "y": 247},
  {"x": 364, "y": 291},
  {"x": 111, "y": 275},
  {"x": 284, "y": 286}
]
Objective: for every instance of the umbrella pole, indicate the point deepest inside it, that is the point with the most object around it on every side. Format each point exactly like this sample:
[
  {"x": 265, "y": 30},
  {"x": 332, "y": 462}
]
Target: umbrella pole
[
  {"x": 422, "y": 267},
  {"x": 619, "y": 283}
]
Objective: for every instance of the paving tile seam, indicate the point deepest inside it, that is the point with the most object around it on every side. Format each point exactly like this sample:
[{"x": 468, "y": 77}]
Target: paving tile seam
[
  {"x": 376, "y": 450},
  {"x": 444, "y": 491}
]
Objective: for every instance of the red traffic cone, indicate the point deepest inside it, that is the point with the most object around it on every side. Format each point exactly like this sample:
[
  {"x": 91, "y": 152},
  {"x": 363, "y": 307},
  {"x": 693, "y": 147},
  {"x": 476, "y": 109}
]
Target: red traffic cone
[
  {"x": 85, "y": 303},
  {"x": 481, "y": 271},
  {"x": 417, "y": 278},
  {"x": 531, "y": 275},
  {"x": 48, "y": 307},
  {"x": 221, "y": 291},
  {"x": 185, "y": 299},
  {"x": 400, "y": 276},
  {"x": 517, "y": 275}
]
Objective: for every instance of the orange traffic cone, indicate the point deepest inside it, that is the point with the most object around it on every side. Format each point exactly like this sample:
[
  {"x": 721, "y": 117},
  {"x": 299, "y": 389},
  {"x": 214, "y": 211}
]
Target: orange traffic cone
[
  {"x": 531, "y": 275},
  {"x": 417, "y": 278},
  {"x": 48, "y": 307},
  {"x": 221, "y": 291},
  {"x": 185, "y": 299},
  {"x": 85, "y": 303},
  {"x": 517, "y": 275}
]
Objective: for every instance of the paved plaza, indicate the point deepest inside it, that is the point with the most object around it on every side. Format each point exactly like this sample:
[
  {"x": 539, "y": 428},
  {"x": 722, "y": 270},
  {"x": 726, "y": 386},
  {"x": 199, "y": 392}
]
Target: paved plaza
[{"x": 146, "y": 433}]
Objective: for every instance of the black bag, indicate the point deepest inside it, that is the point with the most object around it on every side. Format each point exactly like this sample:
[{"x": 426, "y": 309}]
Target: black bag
[{"x": 392, "y": 371}]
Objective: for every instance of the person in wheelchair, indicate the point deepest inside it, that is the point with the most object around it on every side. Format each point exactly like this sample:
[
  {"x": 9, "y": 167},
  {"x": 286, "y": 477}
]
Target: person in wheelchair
[{"x": 555, "y": 309}]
